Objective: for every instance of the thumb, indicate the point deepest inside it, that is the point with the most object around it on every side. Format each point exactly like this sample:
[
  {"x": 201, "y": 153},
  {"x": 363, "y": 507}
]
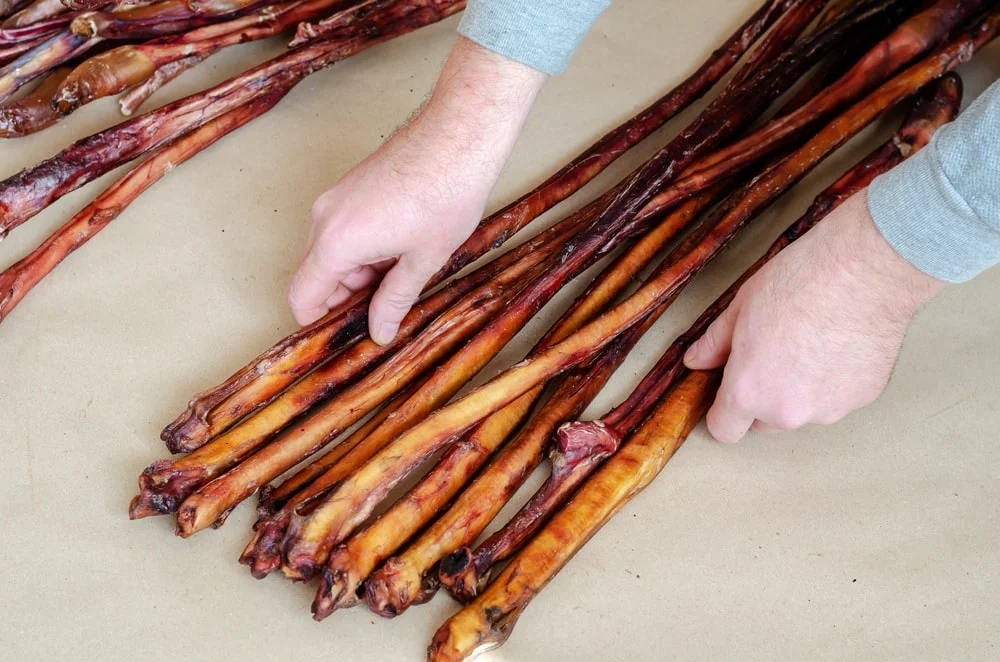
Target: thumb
[
  {"x": 713, "y": 348},
  {"x": 399, "y": 290},
  {"x": 317, "y": 278}
]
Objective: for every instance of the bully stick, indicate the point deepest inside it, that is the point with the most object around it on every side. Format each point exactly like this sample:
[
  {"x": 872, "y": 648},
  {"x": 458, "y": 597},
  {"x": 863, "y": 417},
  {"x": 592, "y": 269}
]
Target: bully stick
[
  {"x": 20, "y": 277},
  {"x": 130, "y": 65},
  {"x": 33, "y": 64},
  {"x": 168, "y": 482},
  {"x": 910, "y": 40},
  {"x": 145, "y": 22},
  {"x": 487, "y": 622},
  {"x": 777, "y": 41},
  {"x": 39, "y": 13},
  {"x": 25, "y": 194},
  {"x": 263, "y": 552},
  {"x": 214, "y": 412},
  {"x": 454, "y": 418},
  {"x": 352, "y": 562},
  {"x": 311, "y": 538},
  {"x": 583, "y": 445},
  {"x": 500, "y": 226},
  {"x": 377, "y": 11},
  {"x": 32, "y": 112},
  {"x": 11, "y": 52},
  {"x": 356, "y": 497},
  {"x": 8, "y": 7},
  {"x": 135, "y": 96}
]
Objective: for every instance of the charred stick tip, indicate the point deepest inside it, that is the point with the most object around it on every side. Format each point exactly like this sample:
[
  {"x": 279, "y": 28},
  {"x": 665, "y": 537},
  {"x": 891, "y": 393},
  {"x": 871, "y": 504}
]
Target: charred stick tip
[
  {"x": 459, "y": 577},
  {"x": 162, "y": 488}
]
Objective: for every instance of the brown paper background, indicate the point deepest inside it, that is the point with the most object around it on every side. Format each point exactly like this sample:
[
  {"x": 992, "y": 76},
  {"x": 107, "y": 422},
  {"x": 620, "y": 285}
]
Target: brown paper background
[{"x": 872, "y": 539}]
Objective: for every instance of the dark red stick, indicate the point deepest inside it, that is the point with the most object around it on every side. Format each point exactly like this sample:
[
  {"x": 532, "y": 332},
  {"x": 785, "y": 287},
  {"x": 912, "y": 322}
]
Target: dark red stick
[
  {"x": 25, "y": 194},
  {"x": 22, "y": 276},
  {"x": 33, "y": 64}
]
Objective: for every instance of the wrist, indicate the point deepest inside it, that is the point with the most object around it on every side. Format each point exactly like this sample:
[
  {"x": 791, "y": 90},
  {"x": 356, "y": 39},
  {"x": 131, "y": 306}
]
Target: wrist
[
  {"x": 898, "y": 287},
  {"x": 479, "y": 105}
]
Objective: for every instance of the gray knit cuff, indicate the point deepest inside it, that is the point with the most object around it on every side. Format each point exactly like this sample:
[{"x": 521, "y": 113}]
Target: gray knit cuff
[
  {"x": 918, "y": 210},
  {"x": 541, "y": 34}
]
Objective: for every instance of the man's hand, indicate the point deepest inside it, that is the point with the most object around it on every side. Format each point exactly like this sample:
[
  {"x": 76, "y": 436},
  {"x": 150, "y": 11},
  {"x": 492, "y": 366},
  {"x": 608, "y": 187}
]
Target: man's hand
[
  {"x": 814, "y": 334},
  {"x": 407, "y": 207}
]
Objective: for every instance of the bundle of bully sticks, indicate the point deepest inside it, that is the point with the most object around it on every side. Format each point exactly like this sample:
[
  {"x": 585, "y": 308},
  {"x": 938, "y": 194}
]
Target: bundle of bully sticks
[{"x": 327, "y": 425}]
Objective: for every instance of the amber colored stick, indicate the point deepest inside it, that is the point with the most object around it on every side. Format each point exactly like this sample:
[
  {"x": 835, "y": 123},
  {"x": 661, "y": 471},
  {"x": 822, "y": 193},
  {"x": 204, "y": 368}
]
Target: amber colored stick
[
  {"x": 910, "y": 40},
  {"x": 500, "y": 226},
  {"x": 487, "y": 622},
  {"x": 165, "y": 484},
  {"x": 32, "y": 112},
  {"x": 213, "y": 412},
  {"x": 274, "y": 497},
  {"x": 263, "y": 552},
  {"x": 367, "y": 485},
  {"x": 137, "y": 95},
  {"x": 17, "y": 280},
  {"x": 352, "y": 562},
  {"x": 582, "y": 446},
  {"x": 37, "y": 62}
]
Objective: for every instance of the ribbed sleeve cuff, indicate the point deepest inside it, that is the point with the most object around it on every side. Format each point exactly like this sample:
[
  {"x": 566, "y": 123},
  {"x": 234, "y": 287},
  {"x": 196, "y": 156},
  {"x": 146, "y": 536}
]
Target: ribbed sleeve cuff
[
  {"x": 542, "y": 35},
  {"x": 923, "y": 217}
]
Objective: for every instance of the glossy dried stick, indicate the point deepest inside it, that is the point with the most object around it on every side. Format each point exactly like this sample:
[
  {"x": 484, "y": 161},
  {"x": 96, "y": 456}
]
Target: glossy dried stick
[
  {"x": 33, "y": 111},
  {"x": 487, "y": 622}
]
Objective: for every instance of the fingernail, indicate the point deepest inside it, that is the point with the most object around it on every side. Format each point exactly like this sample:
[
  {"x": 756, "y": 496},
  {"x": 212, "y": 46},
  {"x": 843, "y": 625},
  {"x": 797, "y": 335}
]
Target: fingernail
[
  {"x": 691, "y": 354},
  {"x": 385, "y": 332}
]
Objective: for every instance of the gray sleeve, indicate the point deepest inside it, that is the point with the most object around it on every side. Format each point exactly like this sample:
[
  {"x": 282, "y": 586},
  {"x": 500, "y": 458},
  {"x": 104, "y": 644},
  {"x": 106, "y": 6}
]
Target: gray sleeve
[
  {"x": 940, "y": 209},
  {"x": 542, "y": 34}
]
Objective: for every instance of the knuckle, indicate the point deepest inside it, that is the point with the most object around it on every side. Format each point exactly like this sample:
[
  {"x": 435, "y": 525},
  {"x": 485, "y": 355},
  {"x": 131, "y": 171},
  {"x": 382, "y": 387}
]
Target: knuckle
[
  {"x": 743, "y": 393},
  {"x": 790, "y": 416}
]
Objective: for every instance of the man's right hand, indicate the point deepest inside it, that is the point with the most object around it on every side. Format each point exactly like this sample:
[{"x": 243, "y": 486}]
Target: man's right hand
[{"x": 399, "y": 215}]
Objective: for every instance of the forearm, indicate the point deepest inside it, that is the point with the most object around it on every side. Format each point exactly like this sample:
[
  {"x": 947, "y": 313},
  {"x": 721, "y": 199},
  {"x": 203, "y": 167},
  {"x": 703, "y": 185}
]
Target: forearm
[
  {"x": 941, "y": 209},
  {"x": 479, "y": 106}
]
